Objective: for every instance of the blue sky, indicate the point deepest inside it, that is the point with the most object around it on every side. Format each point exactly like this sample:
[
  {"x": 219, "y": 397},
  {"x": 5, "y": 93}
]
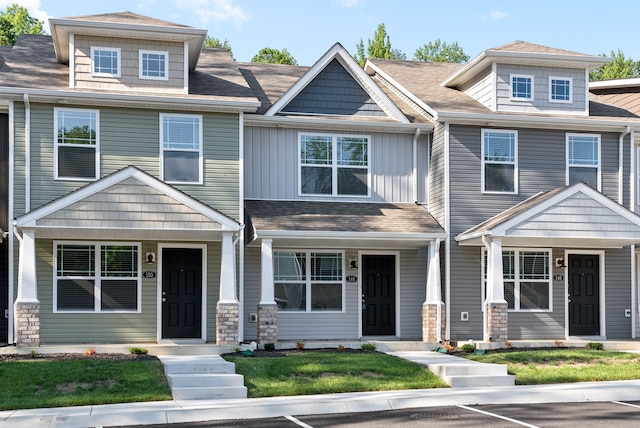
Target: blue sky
[{"x": 308, "y": 28}]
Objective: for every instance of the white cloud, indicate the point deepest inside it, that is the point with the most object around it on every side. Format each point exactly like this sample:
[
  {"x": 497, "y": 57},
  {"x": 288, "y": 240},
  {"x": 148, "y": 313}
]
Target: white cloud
[
  {"x": 215, "y": 10},
  {"x": 347, "y": 4},
  {"x": 496, "y": 15}
]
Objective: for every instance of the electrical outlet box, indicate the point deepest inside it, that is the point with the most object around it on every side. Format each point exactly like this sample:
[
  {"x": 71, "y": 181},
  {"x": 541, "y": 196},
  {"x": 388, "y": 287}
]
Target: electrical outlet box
[
  {"x": 253, "y": 317},
  {"x": 627, "y": 313},
  {"x": 464, "y": 316}
]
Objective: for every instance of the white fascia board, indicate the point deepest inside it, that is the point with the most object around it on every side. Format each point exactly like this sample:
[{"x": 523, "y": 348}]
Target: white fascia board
[
  {"x": 30, "y": 219},
  {"x": 330, "y": 234},
  {"x": 615, "y": 83},
  {"x": 345, "y": 123},
  {"x": 138, "y": 100}
]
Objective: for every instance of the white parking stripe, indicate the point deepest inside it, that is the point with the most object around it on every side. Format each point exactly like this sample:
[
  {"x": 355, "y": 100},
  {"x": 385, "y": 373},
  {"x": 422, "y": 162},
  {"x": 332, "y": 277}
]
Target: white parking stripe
[
  {"x": 297, "y": 422},
  {"x": 498, "y": 416},
  {"x": 626, "y": 404}
]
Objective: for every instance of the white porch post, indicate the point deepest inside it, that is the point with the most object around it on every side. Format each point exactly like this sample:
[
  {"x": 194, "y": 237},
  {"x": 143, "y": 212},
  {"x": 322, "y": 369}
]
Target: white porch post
[
  {"x": 267, "y": 328},
  {"x": 227, "y": 315},
  {"x": 433, "y": 312},
  {"x": 27, "y": 305},
  {"x": 496, "y": 324}
]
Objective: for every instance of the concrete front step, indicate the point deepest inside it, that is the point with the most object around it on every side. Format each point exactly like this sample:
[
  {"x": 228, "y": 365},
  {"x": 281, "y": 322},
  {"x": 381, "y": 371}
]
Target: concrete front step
[
  {"x": 468, "y": 381},
  {"x": 468, "y": 369},
  {"x": 204, "y": 393},
  {"x": 196, "y": 364},
  {"x": 205, "y": 380}
]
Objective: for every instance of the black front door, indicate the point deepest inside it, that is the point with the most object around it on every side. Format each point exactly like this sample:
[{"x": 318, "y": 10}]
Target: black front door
[
  {"x": 181, "y": 293},
  {"x": 584, "y": 295},
  {"x": 378, "y": 295}
]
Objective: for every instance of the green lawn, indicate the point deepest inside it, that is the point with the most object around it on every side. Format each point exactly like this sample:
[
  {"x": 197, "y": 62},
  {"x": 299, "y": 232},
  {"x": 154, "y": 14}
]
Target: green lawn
[
  {"x": 39, "y": 382},
  {"x": 565, "y": 365},
  {"x": 309, "y": 372}
]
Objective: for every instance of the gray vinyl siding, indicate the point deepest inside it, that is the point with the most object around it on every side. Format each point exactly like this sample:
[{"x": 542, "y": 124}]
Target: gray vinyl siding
[
  {"x": 540, "y": 103},
  {"x": 481, "y": 88},
  {"x": 413, "y": 292},
  {"x": 618, "y": 293},
  {"x": 436, "y": 175},
  {"x": 131, "y": 137},
  {"x": 334, "y": 92},
  {"x": 272, "y": 165},
  {"x": 214, "y": 257}
]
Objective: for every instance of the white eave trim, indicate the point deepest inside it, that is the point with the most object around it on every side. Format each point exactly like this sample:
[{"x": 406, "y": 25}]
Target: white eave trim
[
  {"x": 615, "y": 83},
  {"x": 341, "y": 235},
  {"x": 138, "y": 100},
  {"x": 339, "y": 122}
]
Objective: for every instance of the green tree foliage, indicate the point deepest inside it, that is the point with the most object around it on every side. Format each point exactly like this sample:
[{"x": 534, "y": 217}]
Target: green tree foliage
[
  {"x": 211, "y": 42},
  {"x": 15, "y": 20},
  {"x": 274, "y": 56},
  {"x": 379, "y": 47},
  {"x": 619, "y": 67},
  {"x": 438, "y": 51}
]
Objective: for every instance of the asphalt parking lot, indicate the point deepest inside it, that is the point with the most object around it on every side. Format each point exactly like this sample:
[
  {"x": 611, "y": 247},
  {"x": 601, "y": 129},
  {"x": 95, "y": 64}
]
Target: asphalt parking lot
[{"x": 585, "y": 415}]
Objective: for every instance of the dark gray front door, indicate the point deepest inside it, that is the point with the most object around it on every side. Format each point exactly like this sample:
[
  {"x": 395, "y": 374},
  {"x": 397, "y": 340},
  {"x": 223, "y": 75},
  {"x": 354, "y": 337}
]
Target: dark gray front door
[
  {"x": 378, "y": 295},
  {"x": 181, "y": 293},
  {"x": 584, "y": 295}
]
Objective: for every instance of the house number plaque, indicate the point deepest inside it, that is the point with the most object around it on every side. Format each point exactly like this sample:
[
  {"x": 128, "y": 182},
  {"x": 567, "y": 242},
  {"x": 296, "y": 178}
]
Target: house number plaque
[
  {"x": 148, "y": 274},
  {"x": 352, "y": 278}
]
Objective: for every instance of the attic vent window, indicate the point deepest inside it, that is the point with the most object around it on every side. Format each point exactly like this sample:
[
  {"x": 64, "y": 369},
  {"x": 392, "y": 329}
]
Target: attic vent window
[
  {"x": 154, "y": 65},
  {"x": 105, "y": 62}
]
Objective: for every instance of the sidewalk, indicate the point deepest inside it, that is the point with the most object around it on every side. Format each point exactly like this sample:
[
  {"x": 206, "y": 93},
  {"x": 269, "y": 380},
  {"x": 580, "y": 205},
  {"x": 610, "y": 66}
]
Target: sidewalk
[{"x": 162, "y": 412}]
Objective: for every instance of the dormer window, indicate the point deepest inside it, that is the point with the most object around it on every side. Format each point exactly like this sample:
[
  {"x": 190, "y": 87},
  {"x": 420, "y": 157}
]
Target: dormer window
[
  {"x": 154, "y": 65},
  {"x": 105, "y": 62},
  {"x": 521, "y": 87},
  {"x": 560, "y": 89}
]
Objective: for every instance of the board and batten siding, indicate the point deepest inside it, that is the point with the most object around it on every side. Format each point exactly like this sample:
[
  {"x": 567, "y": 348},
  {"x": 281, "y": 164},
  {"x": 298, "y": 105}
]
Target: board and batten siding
[
  {"x": 131, "y": 137},
  {"x": 272, "y": 165}
]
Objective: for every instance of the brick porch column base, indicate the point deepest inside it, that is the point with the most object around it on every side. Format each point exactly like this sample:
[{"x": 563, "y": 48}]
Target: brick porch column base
[
  {"x": 430, "y": 322},
  {"x": 227, "y": 324},
  {"x": 267, "y": 324},
  {"x": 28, "y": 324},
  {"x": 497, "y": 322}
]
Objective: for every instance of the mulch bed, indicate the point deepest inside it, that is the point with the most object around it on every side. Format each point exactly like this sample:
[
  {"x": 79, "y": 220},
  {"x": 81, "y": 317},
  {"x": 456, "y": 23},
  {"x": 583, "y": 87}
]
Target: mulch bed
[
  {"x": 75, "y": 356},
  {"x": 287, "y": 352}
]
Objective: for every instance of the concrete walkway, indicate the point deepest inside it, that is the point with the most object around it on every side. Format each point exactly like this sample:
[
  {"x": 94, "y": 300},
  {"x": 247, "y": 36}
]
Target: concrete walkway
[{"x": 178, "y": 411}]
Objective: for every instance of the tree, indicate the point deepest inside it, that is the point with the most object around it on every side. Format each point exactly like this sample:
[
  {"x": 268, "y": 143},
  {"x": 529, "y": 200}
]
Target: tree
[
  {"x": 15, "y": 20},
  {"x": 618, "y": 68},
  {"x": 274, "y": 56},
  {"x": 211, "y": 42},
  {"x": 438, "y": 51},
  {"x": 379, "y": 47}
]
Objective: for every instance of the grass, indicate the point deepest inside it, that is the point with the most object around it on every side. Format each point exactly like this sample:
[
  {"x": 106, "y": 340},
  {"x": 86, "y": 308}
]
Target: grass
[
  {"x": 536, "y": 367},
  {"x": 309, "y": 372},
  {"x": 34, "y": 383}
]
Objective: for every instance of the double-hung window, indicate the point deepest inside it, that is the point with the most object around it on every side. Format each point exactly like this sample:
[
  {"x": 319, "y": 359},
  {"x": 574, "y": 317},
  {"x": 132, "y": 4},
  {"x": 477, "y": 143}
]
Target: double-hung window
[
  {"x": 499, "y": 161},
  {"x": 308, "y": 281},
  {"x": 583, "y": 159},
  {"x": 97, "y": 277},
  {"x": 560, "y": 89},
  {"x": 105, "y": 62},
  {"x": 521, "y": 87},
  {"x": 154, "y": 65},
  {"x": 181, "y": 148},
  {"x": 527, "y": 279},
  {"x": 334, "y": 165},
  {"x": 76, "y": 143}
]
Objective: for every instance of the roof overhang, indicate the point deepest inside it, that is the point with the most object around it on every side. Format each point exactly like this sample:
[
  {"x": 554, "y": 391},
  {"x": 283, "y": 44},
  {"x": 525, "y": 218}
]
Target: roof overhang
[
  {"x": 62, "y": 28},
  {"x": 632, "y": 82}
]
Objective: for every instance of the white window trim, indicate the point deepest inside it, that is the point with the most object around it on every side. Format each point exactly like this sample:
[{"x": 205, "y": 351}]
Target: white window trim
[
  {"x": 200, "y": 147},
  {"x": 98, "y": 74},
  {"x": 334, "y": 166},
  {"x": 598, "y": 166},
  {"x": 309, "y": 284},
  {"x": 526, "y": 76},
  {"x": 514, "y": 163},
  {"x": 56, "y": 145},
  {"x": 97, "y": 286},
  {"x": 570, "y": 80},
  {"x": 517, "y": 280},
  {"x": 140, "y": 65}
]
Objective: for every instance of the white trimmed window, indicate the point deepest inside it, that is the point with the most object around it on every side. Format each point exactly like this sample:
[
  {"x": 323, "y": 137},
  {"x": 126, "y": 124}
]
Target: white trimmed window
[
  {"x": 499, "y": 161},
  {"x": 181, "y": 148},
  {"x": 583, "y": 159},
  {"x": 105, "y": 62},
  {"x": 521, "y": 87},
  {"x": 309, "y": 281},
  {"x": 154, "y": 65},
  {"x": 527, "y": 279},
  {"x": 333, "y": 165},
  {"x": 77, "y": 143},
  {"x": 97, "y": 277},
  {"x": 560, "y": 89}
]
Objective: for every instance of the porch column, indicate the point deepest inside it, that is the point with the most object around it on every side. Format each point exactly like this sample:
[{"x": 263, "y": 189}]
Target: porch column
[
  {"x": 267, "y": 308},
  {"x": 227, "y": 316},
  {"x": 433, "y": 309},
  {"x": 496, "y": 315},
  {"x": 27, "y": 305}
]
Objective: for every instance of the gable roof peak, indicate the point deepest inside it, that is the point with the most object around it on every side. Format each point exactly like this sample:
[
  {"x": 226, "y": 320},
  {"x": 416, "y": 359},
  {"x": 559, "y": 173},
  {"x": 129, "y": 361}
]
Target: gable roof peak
[{"x": 126, "y": 17}]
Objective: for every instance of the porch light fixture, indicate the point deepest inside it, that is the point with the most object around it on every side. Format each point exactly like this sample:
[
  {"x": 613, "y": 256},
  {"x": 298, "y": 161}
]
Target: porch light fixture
[
  {"x": 150, "y": 258},
  {"x": 560, "y": 262}
]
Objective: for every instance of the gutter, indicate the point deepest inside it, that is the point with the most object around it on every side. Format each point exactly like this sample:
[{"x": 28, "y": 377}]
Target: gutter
[{"x": 415, "y": 165}]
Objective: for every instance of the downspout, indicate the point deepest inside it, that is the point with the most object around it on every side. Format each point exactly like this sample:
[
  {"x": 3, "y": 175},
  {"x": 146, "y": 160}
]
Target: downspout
[
  {"x": 439, "y": 303},
  {"x": 241, "y": 233},
  {"x": 485, "y": 312},
  {"x": 415, "y": 165},
  {"x": 27, "y": 154},
  {"x": 633, "y": 177},
  {"x": 447, "y": 222},
  {"x": 621, "y": 180},
  {"x": 11, "y": 332},
  {"x": 626, "y": 132}
]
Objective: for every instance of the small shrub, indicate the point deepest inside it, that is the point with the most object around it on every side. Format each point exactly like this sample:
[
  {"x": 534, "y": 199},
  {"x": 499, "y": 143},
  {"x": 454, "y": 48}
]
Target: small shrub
[
  {"x": 237, "y": 349},
  {"x": 138, "y": 351},
  {"x": 558, "y": 343},
  {"x": 340, "y": 347},
  {"x": 467, "y": 347},
  {"x": 299, "y": 346},
  {"x": 368, "y": 347},
  {"x": 269, "y": 346},
  {"x": 596, "y": 346},
  {"x": 89, "y": 351},
  {"x": 33, "y": 353},
  {"x": 508, "y": 344}
]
